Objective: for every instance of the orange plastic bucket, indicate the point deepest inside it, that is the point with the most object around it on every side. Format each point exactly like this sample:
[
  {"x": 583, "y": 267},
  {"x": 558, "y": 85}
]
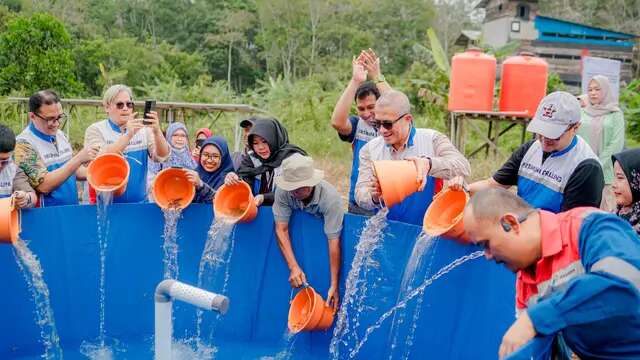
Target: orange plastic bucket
[
  {"x": 397, "y": 178},
  {"x": 235, "y": 202},
  {"x": 9, "y": 221},
  {"x": 109, "y": 173},
  {"x": 172, "y": 189},
  {"x": 444, "y": 215},
  {"x": 309, "y": 311}
]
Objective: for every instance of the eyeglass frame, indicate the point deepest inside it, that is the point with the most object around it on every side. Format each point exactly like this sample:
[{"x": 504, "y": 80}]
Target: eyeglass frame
[
  {"x": 206, "y": 156},
  {"x": 387, "y": 124},
  {"x": 59, "y": 118}
]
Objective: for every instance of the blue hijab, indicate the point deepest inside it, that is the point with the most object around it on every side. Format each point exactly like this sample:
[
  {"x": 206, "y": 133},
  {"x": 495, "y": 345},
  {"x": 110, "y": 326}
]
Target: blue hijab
[
  {"x": 215, "y": 179},
  {"x": 178, "y": 157}
]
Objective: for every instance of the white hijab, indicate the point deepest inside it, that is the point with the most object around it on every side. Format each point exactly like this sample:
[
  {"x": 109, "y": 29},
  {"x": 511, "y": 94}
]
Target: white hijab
[{"x": 598, "y": 112}]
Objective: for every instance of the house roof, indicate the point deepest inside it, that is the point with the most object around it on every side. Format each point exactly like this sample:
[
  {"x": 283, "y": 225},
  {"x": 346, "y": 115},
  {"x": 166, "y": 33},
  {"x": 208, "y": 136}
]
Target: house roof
[
  {"x": 566, "y": 22},
  {"x": 472, "y": 34}
]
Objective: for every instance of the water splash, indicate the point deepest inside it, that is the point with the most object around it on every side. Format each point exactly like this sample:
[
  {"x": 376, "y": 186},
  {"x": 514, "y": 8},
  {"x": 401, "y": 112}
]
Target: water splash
[
  {"x": 216, "y": 257},
  {"x": 356, "y": 283},
  {"x": 288, "y": 343},
  {"x": 170, "y": 245},
  {"x": 192, "y": 349},
  {"x": 412, "y": 294},
  {"x": 423, "y": 243},
  {"x": 103, "y": 200},
  {"x": 32, "y": 271},
  {"x": 101, "y": 351}
]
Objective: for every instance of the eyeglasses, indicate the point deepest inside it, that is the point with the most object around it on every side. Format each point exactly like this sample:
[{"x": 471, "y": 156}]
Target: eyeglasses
[
  {"x": 387, "y": 124},
  {"x": 60, "y": 118},
  {"x": 4, "y": 162},
  {"x": 120, "y": 105},
  {"x": 206, "y": 156}
]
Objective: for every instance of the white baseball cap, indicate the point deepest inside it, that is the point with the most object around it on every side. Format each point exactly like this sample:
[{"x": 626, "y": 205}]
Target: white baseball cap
[{"x": 556, "y": 112}]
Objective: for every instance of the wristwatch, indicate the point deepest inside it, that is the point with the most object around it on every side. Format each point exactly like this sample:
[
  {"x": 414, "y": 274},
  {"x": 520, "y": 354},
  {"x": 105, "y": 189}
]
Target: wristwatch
[{"x": 379, "y": 79}]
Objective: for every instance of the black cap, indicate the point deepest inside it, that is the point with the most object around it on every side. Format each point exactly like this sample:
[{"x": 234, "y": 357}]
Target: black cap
[{"x": 246, "y": 123}]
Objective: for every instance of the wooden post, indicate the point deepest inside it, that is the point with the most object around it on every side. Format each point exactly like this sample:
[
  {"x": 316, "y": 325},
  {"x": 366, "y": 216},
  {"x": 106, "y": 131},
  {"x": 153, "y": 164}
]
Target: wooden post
[{"x": 490, "y": 135}]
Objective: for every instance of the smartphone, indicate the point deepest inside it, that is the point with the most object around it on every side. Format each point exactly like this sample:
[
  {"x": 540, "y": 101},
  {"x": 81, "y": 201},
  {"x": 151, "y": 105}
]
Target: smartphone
[{"x": 149, "y": 105}]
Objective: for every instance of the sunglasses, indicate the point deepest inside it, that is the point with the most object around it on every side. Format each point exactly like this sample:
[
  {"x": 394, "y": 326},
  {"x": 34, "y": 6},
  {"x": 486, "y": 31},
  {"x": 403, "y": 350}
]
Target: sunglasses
[
  {"x": 120, "y": 105},
  {"x": 387, "y": 124}
]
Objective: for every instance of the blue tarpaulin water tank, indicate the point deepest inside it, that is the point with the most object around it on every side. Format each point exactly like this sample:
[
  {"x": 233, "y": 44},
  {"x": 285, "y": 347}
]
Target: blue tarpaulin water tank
[{"x": 463, "y": 315}]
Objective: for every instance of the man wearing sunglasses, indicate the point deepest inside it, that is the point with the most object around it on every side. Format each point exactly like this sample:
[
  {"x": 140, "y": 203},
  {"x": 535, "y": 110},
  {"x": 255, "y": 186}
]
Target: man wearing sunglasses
[
  {"x": 578, "y": 274},
  {"x": 45, "y": 155},
  {"x": 433, "y": 154},
  {"x": 125, "y": 133},
  {"x": 358, "y": 129},
  {"x": 558, "y": 170},
  {"x": 13, "y": 180}
]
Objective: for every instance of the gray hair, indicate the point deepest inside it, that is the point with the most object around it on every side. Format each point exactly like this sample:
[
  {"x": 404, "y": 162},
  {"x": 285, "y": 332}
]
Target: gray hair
[
  {"x": 492, "y": 203},
  {"x": 396, "y": 100},
  {"x": 113, "y": 91}
]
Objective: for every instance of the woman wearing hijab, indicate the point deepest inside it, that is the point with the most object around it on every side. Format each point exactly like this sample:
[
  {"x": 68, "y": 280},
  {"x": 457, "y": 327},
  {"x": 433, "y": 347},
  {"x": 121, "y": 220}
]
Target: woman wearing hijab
[
  {"x": 180, "y": 154},
  {"x": 626, "y": 186},
  {"x": 213, "y": 165},
  {"x": 269, "y": 146},
  {"x": 201, "y": 135},
  {"x": 602, "y": 126}
]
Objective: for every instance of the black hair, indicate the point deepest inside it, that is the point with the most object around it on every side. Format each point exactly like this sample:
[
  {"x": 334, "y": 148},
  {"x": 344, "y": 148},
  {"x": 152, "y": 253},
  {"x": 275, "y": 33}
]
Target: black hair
[
  {"x": 42, "y": 97},
  {"x": 7, "y": 139},
  {"x": 367, "y": 88}
]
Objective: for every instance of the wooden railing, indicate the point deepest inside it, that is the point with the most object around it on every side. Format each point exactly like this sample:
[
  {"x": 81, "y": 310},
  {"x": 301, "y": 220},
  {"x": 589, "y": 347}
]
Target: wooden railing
[{"x": 168, "y": 111}]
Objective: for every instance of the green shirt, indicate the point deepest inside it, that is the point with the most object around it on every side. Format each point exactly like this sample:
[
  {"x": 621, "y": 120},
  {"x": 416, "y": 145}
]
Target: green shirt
[{"x": 612, "y": 139}]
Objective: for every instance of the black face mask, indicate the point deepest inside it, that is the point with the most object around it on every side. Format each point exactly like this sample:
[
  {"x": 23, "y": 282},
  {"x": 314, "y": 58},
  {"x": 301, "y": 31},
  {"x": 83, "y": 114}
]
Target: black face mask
[{"x": 199, "y": 142}]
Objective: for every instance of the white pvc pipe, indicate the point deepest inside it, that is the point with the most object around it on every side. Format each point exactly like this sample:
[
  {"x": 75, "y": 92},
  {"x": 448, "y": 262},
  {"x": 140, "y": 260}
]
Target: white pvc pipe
[
  {"x": 166, "y": 292},
  {"x": 164, "y": 330}
]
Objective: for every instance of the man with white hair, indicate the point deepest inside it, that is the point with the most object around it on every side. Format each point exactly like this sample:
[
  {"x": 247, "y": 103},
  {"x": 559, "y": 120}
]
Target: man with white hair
[
  {"x": 433, "y": 154},
  {"x": 124, "y": 133},
  {"x": 301, "y": 187},
  {"x": 558, "y": 170}
]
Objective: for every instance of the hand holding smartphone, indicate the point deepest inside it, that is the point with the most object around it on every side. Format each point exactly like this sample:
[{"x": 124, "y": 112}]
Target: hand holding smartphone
[{"x": 149, "y": 105}]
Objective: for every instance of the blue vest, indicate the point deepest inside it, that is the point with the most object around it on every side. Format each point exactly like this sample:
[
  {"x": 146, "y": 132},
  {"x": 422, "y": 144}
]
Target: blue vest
[
  {"x": 363, "y": 134},
  {"x": 55, "y": 151},
  {"x": 137, "y": 156},
  {"x": 542, "y": 184},
  {"x": 420, "y": 144}
]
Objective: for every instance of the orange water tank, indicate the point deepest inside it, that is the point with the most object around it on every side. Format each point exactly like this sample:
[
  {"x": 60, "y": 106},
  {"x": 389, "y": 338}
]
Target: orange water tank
[
  {"x": 523, "y": 83},
  {"x": 473, "y": 77}
]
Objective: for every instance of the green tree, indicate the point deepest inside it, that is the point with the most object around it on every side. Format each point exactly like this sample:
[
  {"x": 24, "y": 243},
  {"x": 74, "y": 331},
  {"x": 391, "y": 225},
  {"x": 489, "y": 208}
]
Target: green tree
[
  {"x": 35, "y": 53},
  {"x": 103, "y": 62}
]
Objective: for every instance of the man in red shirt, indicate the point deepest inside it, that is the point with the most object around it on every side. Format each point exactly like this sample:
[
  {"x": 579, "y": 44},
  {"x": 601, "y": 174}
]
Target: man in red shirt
[{"x": 577, "y": 273}]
